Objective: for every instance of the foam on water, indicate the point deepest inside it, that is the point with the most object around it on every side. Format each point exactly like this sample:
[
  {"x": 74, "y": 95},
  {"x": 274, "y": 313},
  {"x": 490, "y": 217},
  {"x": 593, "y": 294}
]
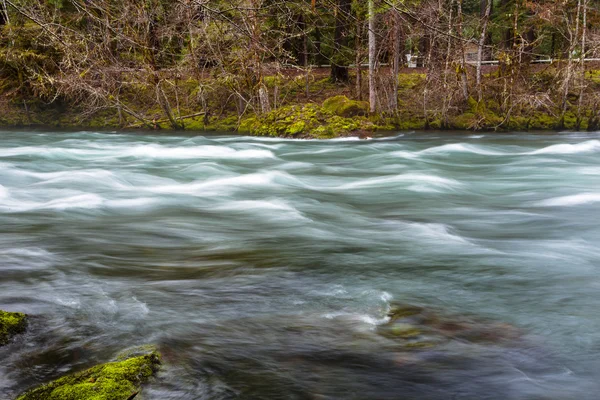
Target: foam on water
[
  {"x": 150, "y": 151},
  {"x": 198, "y": 152},
  {"x": 79, "y": 201},
  {"x": 263, "y": 209},
  {"x": 572, "y": 200},
  {"x": 137, "y": 204},
  {"x": 402, "y": 178},
  {"x": 462, "y": 148},
  {"x": 221, "y": 186},
  {"x": 590, "y": 146}
]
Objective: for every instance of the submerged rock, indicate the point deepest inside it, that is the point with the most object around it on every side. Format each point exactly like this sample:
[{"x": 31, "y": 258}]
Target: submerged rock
[
  {"x": 118, "y": 380},
  {"x": 11, "y": 324},
  {"x": 417, "y": 327}
]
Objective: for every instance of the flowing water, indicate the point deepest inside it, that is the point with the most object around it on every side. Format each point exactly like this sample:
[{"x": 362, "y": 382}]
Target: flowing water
[{"x": 264, "y": 268}]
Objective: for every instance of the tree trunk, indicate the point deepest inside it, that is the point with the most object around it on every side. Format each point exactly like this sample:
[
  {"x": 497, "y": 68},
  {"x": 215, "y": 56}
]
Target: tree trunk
[
  {"x": 482, "y": 42},
  {"x": 463, "y": 61},
  {"x": 447, "y": 92},
  {"x": 339, "y": 64},
  {"x": 372, "y": 58},
  {"x": 3, "y": 14},
  {"x": 395, "y": 61},
  {"x": 507, "y": 33},
  {"x": 573, "y": 37},
  {"x": 306, "y": 59},
  {"x": 152, "y": 42},
  {"x": 358, "y": 59},
  {"x": 260, "y": 89},
  {"x": 483, "y": 12},
  {"x": 582, "y": 60}
]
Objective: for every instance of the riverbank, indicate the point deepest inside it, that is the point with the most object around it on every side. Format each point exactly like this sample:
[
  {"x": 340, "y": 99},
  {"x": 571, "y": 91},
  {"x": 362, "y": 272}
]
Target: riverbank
[{"x": 301, "y": 107}]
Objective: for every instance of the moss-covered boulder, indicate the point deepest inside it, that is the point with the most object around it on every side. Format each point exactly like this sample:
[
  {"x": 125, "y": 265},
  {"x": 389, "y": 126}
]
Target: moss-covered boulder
[
  {"x": 289, "y": 121},
  {"x": 346, "y": 108},
  {"x": 11, "y": 324},
  {"x": 118, "y": 380},
  {"x": 304, "y": 121}
]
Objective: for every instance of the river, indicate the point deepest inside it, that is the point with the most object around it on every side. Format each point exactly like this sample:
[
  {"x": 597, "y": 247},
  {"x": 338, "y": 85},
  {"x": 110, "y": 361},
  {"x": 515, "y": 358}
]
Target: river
[{"x": 263, "y": 268}]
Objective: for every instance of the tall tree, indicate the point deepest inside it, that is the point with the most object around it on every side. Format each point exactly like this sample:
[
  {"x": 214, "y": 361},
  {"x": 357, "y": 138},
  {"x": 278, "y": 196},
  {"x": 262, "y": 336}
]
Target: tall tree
[
  {"x": 372, "y": 58},
  {"x": 486, "y": 11},
  {"x": 341, "y": 41}
]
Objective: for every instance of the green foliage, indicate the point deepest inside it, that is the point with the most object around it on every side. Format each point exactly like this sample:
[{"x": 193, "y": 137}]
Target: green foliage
[
  {"x": 112, "y": 381},
  {"x": 11, "y": 324}
]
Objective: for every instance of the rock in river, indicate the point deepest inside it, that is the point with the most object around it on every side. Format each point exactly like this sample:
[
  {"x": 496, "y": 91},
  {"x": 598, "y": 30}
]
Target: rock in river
[
  {"x": 117, "y": 380},
  {"x": 418, "y": 327},
  {"x": 11, "y": 324}
]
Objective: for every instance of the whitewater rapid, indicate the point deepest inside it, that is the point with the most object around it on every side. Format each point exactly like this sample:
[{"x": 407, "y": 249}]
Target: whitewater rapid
[{"x": 262, "y": 267}]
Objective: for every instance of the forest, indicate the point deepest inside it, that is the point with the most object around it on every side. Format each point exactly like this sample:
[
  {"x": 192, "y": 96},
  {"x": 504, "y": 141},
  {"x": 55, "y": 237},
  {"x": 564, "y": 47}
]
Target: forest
[{"x": 300, "y": 68}]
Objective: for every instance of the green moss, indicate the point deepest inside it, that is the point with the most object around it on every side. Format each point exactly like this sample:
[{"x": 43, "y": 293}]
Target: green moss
[
  {"x": 411, "y": 123},
  {"x": 248, "y": 125},
  {"x": 542, "y": 121},
  {"x": 473, "y": 104},
  {"x": 11, "y": 324},
  {"x": 344, "y": 107},
  {"x": 420, "y": 345},
  {"x": 404, "y": 330},
  {"x": 322, "y": 84},
  {"x": 465, "y": 121},
  {"x": 272, "y": 81},
  {"x": 296, "y": 128},
  {"x": 226, "y": 124},
  {"x": 323, "y": 132},
  {"x": 410, "y": 81},
  {"x": 570, "y": 121},
  {"x": 593, "y": 76},
  {"x": 403, "y": 311},
  {"x": 518, "y": 123},
  {"x": 479, "y": 115},
  {"x": 112, "y": 381},
  {"x": 309, "y": 120},
  {"x": 195, "y": 124}
]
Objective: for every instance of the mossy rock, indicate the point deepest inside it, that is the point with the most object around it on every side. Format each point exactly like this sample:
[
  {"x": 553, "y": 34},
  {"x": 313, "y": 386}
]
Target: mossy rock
[
  {"x": 11, "y": 324},
  {"x": 403, "y": 311},
  {"x": 403, "y": 330},
  {"x": 344, "y": 107},
  {"x": 418, "y": 327},
  {"x": 119, "y": 380},
  {"x": 309, "y": 120}
]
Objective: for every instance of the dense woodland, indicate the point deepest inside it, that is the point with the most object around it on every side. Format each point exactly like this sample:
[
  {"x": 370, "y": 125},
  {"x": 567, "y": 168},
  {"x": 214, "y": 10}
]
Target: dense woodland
[{"x": 190, "y": 64}]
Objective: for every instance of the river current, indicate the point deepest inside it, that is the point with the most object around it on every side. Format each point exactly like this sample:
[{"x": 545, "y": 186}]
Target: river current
[{"x": 263, "y": 268}]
